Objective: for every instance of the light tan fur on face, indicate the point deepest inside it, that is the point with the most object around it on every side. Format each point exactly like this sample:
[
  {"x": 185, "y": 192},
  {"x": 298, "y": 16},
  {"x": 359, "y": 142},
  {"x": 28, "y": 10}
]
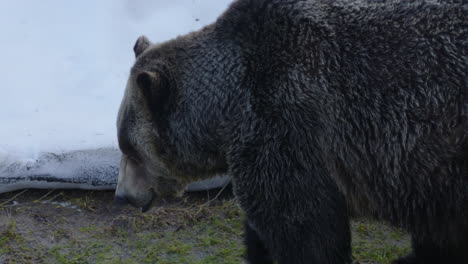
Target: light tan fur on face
[
  {"x": 133, "y": 183},
  {"x": 140, "y": 185}
]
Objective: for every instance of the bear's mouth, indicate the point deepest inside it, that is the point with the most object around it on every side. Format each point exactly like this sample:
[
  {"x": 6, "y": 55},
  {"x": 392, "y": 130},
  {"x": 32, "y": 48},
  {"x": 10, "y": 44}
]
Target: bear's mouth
[{"x": 148, "y": 205}]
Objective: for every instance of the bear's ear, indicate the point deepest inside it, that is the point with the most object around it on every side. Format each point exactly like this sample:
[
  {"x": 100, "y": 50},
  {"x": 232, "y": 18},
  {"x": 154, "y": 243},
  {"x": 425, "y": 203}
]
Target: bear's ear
[
  {"x": 141, "y": 45},
  {"x": 154, "y": 88}
]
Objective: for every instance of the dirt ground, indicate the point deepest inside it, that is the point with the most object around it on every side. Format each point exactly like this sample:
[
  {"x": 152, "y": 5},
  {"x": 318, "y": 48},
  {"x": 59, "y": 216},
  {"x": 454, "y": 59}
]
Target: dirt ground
[{"x": 74, "y": 226}]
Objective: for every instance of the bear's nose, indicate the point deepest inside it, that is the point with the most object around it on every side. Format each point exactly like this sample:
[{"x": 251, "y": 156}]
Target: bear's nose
[{"x": 120, "y": 200}]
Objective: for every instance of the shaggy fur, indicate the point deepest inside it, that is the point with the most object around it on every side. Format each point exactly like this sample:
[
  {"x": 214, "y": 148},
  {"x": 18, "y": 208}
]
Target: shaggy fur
[{"x": 313, "y": 106}]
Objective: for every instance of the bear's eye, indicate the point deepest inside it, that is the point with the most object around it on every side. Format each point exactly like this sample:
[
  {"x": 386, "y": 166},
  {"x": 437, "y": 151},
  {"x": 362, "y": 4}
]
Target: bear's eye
[
  {"x": 135, "y": 160},
  {"x": 125, "y": 125},
  {"x": 127, "y": 149}
]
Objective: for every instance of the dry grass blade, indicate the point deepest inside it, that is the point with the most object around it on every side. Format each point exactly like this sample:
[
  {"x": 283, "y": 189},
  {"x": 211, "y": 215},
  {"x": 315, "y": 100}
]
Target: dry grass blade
[
  {"x": 13, "y": 198},
  {"x": 216, "y": 196}
]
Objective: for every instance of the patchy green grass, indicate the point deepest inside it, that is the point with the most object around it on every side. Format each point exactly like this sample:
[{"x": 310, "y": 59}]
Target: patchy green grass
[
  {"x": 78, "y": 227},
  {"x": 374, "y": 242}
]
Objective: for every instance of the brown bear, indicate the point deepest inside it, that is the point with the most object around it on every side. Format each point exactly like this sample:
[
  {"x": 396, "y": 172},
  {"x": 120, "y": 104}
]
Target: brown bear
[{"x": 311, "y": 106}]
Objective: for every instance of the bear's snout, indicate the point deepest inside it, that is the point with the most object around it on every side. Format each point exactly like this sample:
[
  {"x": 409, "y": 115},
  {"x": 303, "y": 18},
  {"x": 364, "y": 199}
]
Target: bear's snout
[{"x": 120, "y": 200}]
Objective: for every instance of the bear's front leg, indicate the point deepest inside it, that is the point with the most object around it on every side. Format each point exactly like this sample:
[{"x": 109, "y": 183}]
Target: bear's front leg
[
  {"x": 256, "y": 250},
  {"x": 298, "y": 213},
  {"x": 452, "y": 248},
  {"x": 313, "y": 235}
]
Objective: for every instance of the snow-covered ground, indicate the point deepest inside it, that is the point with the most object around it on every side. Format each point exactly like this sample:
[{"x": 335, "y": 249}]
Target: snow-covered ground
[{"x": 64, "y": 65}]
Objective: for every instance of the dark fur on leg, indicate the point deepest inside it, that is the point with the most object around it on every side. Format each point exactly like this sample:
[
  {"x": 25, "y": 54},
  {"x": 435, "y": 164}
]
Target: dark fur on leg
[
  {"x": 429, "y": 252},
  {"x": 257, "y": 253},
  {"x": 408, "y": 259},
  {"x": 307, "y": 226}
]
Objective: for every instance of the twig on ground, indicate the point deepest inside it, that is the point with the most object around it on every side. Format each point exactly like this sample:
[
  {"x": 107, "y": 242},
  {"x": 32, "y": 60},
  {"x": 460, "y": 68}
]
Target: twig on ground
[
  {"x": 13, "y": 198},
  {"x": 216, "y": 196},
  {"x": 14, "y": 205},
  {"x": 43, "y": 197}
]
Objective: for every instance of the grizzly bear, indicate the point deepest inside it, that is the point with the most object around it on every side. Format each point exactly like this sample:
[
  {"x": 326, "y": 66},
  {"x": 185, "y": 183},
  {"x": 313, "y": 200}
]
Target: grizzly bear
[{"x": 313, "y": 107}]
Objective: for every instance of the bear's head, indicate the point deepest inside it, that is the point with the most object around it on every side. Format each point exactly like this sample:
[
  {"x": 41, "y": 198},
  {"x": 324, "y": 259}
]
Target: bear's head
[{"x": 167, "y": 122}]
